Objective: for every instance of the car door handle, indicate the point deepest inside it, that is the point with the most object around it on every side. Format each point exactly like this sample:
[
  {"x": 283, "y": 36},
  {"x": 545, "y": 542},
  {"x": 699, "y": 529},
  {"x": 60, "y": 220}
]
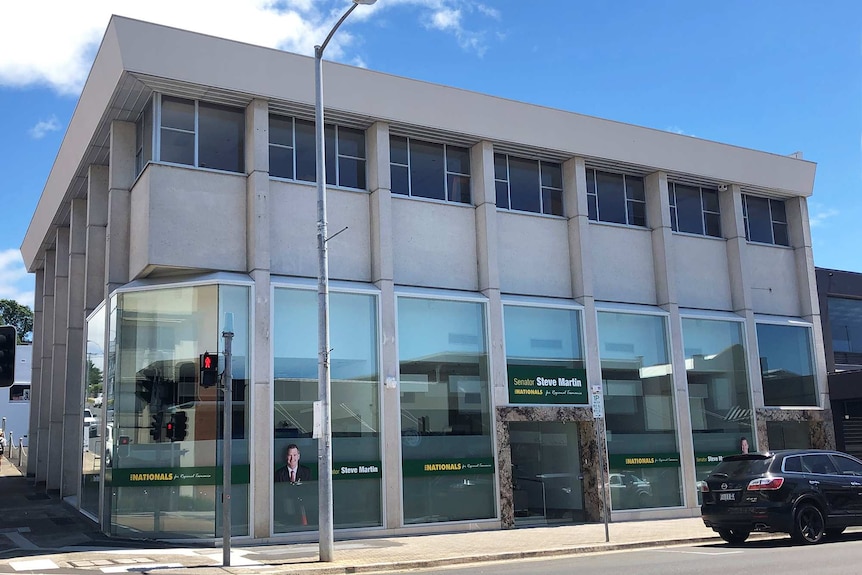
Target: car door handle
[{"x": 813, "y": 482}]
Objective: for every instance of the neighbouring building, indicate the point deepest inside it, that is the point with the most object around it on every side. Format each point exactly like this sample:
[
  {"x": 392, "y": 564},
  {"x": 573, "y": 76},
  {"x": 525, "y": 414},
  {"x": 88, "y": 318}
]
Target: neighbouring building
[
  {"x": 841, "y": 301},
  {"x": 15, "y": 399},
  {"x": 498, "y": 269}
]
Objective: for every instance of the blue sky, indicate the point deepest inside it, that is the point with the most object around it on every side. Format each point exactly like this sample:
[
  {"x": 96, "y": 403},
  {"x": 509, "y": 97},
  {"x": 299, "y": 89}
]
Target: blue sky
[{"x": 775, "y": 75}]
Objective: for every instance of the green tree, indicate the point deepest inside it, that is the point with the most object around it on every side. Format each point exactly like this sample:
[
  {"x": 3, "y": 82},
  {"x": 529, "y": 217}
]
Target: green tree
[
  {"x": 20, "y": 316},
  {"x": 94, "y": 379}
]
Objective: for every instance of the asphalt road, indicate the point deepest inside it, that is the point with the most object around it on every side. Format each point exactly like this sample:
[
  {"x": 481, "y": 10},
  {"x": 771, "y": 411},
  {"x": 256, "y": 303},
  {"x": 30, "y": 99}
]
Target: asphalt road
[{"x": 841, "y": 556}]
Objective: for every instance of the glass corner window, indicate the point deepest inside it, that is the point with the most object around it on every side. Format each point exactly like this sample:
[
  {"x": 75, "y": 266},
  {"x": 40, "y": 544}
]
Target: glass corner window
[{"x": 786, "y": 365}]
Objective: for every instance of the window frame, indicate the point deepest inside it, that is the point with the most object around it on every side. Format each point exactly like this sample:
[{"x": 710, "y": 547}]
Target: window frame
[
  {"x": 447, "y": 193},
  {"x": 541, "y": 164},
  {"x": 593, "y": 199},
  {"x": 773, "y": 222},
  {"x": 704, "y": 211},
  {"x": 158, "y": 127}
]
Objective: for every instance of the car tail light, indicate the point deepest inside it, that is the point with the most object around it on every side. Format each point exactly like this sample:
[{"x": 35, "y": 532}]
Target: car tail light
[
  {"x": 704, "y": 488},
  {"x": 766, "y": 484}
]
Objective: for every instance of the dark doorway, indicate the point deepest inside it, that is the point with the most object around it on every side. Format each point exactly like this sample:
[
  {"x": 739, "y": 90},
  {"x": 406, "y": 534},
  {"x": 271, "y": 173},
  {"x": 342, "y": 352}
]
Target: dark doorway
[{"x": 546, "y": 473}]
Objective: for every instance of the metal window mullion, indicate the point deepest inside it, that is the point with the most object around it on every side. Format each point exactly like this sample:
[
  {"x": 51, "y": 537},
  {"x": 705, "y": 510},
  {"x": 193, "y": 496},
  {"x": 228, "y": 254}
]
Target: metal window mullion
[
  {"x": 702, "y": 211},
  {"x": 409, "y": 172},
  {"x": 446, "y": 174},
  {"x": 541, "y": 195},
  {"x": 626, "y": 198},
  {"x": 508, "y": 183},
  {"x": 196, "y": 134},
  {"x": 293, "y": 152},
  {"x": 771, "y": 221},
  {"x": 337, "y": 154},
  {"x": 157, "y": 126}
]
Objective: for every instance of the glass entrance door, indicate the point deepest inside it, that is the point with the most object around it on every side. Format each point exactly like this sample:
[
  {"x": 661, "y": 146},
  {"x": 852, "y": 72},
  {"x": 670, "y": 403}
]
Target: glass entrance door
[{"x": 546, "y": 473}]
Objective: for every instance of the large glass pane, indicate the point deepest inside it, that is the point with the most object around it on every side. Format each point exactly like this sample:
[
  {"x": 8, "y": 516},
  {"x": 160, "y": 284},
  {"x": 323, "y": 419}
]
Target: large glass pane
[
  {"x": 502, "y": 190},
  {"x": 220, "y": 139},
  {"x": 281, "y": 130},
  {"x": 759, "y": 219},
  {"x": 446, "y": 421},
  {"x": 98, "y": 449},
  {"x": 786, "y": 365},
  {"x": 177, "y": 147},
  {"x": 458, "y": 160},
  {"x": 845, "y": 323},
  {"x": 544, "y": 343},
  {"x": 178, "y": 114},
  {"x": 611, "y": 198},
  {"x": 351, "y": 173},
  {"x": 718, "y": 391},
  {"x": 400, "y": 180},
  {"x": 689, "y": 212},
  {"x": 281, "y": 162},
  {"x": 639, "y": 411},
  {"x": 355, "y": 410},
  {"x": 351, "y": 142},
  {"x": 306, "y": 159},
  {"x": 162, "y": 484},
  {"x": 552, "y": 201},
  {"x": 427, "y": 170},
  {"x": 398, "y": 150},
  {"x": 524, "y": 184}
]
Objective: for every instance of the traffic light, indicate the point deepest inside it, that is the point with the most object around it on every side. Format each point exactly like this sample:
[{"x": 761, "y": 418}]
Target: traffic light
[
  {"x": 8, "y": 340},
  {"x": 209, "y": 369},
  {"x": 169, "y": 428},
  {"x": 156, "y": 426},
  {"x": 181, "y": 425}
]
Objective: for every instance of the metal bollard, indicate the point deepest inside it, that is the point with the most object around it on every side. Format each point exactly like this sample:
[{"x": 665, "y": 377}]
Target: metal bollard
[{"x": 20, "y": 450}]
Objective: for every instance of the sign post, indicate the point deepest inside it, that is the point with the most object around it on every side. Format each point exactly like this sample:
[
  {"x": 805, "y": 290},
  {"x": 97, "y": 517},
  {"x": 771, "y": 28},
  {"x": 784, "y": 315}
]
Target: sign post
[
  {"x": 597, "y": 401},
  {"x": 227, "y": 334}
]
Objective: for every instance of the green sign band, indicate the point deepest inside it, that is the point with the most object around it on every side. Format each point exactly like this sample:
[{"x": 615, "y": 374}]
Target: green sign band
[
  {"x": 641, "y": 460},
  {"x": 131, "y": 477},
  {"x": 427, "y": 467},
  {"x": 536, "y": 384}
]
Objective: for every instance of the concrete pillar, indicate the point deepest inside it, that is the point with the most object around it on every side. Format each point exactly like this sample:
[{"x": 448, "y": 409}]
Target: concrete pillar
[
  {"x": 36, "y": 386},
  {"x": 75, "y": 382},
  {"x": 96, "y": 234},
  {"x": 58, "y": 360},
  {"x": 382, "y": 275},
  {"x": 664, "y": 261},
  {"x": 121, "y": 175},
  {"x": 799, "y": 228},
  {"x": 258, "y": 263},
  {"x": 733, "y": 228},
  {"x": 47, "y": 368}
]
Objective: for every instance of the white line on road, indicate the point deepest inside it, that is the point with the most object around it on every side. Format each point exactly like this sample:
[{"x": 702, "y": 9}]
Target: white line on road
[
  {"x": 140, "y": 567},
  {"x": 699, "y": 552},
  {"x": 36, "y": 565}
]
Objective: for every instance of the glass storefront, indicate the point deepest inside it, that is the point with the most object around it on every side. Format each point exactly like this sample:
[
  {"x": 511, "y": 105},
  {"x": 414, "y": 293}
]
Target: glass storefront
[
  {"x": 446, "y": 421},
  {"x": 718, "y": 391},
  {"x": 355, "y": 401},
  {"x": 165, "y": 477},
  {"x": 786, "y": 365},
  {"x": 637, "y": 378}
]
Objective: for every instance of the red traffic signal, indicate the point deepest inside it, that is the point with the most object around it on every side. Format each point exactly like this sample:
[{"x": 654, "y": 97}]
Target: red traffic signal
[{"x": 209, "y": 369}]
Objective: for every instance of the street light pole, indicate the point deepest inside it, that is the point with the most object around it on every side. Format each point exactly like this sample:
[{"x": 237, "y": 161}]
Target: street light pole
[{"x": 324, "y": 449}]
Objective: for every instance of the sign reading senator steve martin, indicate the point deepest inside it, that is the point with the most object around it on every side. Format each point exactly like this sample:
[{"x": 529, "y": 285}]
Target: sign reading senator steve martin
[{"x": 547, "y": 385}]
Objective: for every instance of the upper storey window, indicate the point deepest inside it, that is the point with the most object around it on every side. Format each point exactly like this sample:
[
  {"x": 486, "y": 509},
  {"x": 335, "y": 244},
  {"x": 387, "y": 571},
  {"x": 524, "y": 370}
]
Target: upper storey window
[
  {"x": 528, "y": 185},
  {"x": 293, "y": 155},
  {"x": 616, "y": 198},
  {"x": 765, "y": 220},
  {"x": 694, "y": 210},
  {"x": 200, "y": 134},
  {"x": 428, "y": 170}
]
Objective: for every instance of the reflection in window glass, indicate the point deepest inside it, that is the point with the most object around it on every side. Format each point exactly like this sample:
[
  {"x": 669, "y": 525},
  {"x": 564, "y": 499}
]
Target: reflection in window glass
[
  {"x": 98, "y": 441},
  {"x": 718, "y": 391},
  {"x": 845, "y": 323},
  {"x": 156, "y": 339},
  {"x": 639, "y": 411},
  {"x": 355, "y": 410},
  {"x": 201, "y": 134},
  {"x": 786, "y": 365},
  {"x": 615, "y": 198},
  {"x": 765, "y": 220},
  {"x": 429, "y": 170},
  {"x": 445, "y": 411}
]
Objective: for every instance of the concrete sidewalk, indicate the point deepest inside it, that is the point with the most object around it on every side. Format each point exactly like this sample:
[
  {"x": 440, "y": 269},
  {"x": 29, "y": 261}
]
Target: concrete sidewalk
[{"x": 40, "y": 533}]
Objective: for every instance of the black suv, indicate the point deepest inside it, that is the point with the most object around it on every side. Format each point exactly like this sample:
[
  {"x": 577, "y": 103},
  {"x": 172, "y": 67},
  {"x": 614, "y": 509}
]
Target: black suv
[{"x": 808, "y": 493}]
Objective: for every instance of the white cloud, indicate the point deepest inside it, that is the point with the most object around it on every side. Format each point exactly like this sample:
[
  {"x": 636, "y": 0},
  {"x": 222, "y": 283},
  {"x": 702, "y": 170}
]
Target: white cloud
[
  {"x": 42, "y": 127},
  {"x": 53, "y": 42},
  {"x": 15, "y": 282},
  {"x": 817, "y": 215}
]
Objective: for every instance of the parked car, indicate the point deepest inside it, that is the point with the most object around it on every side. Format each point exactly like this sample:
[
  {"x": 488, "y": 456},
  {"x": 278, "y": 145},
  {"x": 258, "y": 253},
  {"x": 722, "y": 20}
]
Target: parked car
[
  {"x": 630, "y": 491},
  {"x": 810, "y": 494}
]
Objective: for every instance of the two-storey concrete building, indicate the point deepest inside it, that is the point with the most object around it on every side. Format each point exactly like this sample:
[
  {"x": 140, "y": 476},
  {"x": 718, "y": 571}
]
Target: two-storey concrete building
[{"x": 498, "y": 268}]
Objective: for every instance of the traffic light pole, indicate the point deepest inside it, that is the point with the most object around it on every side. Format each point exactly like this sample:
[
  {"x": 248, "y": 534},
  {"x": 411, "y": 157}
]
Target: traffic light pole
[{"x": 227, "y": 334}]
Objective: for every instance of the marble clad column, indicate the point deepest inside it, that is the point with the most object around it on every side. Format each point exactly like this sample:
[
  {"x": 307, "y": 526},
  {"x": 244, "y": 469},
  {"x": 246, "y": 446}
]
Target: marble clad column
[
  {"x": 58, "y": 361},
  {"x": 36, "y": 386},
  {"x": 41, "y": 448}
]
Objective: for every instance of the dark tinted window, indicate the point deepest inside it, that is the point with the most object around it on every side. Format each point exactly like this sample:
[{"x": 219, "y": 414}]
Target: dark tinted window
[
  {"x": 847, "y": 466},
  {"x": 793, "y": 464},
  {"x": 742, "y": 467},
  {"x": 819, "y": 464},
  {"x": 220, "y": 143}
]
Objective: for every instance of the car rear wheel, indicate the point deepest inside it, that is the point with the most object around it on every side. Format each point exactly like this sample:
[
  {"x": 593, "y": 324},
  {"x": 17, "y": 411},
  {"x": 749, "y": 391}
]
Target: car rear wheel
[
  {"x": 808, "y": 525},
  {"x": 734, "y": 536}
]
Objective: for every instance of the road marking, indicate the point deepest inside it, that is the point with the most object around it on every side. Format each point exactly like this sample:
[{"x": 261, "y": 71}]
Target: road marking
[
  {"x": 140, "y": 567},
  {"x": 35, "y": 565},
  {"x": 699, "y": 552},
  {"x": 21, "y": 541}
]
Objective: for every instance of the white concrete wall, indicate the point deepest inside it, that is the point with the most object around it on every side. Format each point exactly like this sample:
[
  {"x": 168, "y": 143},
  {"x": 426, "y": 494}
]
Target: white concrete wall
[
  {"x": 17, "y": 413},
  {"x": 533, "y": 254},
  {"x": 193, "y": 219},
  {"x": 622, "y": 262},
  {"x": 702, "y": 274},
  {"x": 773, "y": 281},
  {"x": 434, "y": 244}
]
